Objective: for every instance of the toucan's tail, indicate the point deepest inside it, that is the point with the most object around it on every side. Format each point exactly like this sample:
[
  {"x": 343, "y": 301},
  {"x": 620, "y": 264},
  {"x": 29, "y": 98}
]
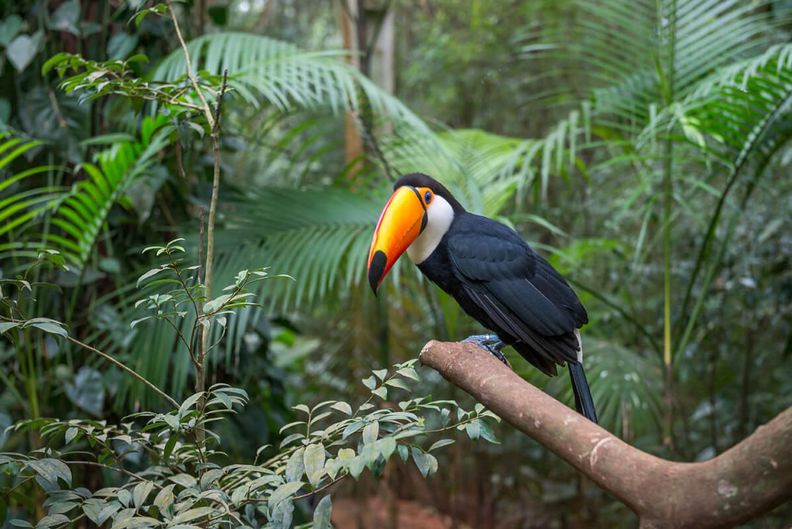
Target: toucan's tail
[{"x": 583, "y": 401}]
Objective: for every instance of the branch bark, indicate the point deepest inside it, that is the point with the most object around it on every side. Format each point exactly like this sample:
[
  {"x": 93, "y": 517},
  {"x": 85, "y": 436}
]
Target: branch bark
[{"x": 747, "y": 480}]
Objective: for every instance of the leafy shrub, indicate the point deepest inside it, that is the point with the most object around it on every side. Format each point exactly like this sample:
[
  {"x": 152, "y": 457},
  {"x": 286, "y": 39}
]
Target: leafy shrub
[
  {"x": 166, "y": 469},
  {"x": 162, "y": 477}
]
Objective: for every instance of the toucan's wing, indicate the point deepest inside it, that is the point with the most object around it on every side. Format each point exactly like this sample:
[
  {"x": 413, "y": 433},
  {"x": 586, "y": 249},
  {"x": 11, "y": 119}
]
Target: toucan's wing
[{"x": 516, "y": 287}]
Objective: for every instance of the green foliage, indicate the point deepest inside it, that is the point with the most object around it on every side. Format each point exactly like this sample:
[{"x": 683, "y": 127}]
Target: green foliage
[
  {"x": 320, "y": 241},
  {"x": 177, "y": 453},
  {"x": 625, "y": 385},
  {"x": 94, "y": 79},
  {"x": 699, "y": 101},
  {"x": 20, "y": 206},
  {"x": 83, "y": 212},
  {"x": 486, "y": 171},
  {"x": 163, "y": 477},
  {"x": 281, "y": 74},
  {"x": 562, "y": 118}
]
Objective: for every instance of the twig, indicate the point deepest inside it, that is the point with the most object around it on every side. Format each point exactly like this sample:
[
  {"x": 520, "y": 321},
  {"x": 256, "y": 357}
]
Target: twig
[
  {"x": 56, "y": 108},
  {"x": 129, "y": 370},
  {"x": 175, "y": 267},
  {"x": 214, "y": 125},
  {"x": 180, "y": 160},
  {"x": 219, "y": 107},
  {"x": 210, "y": 224},
  {"x": 179, "y": 334},
  {"x": 201, "y": 232},
  {"x": 200, "y": 378},
  {"x": 172, "y": 101},
  {"x": 190, "y": 73},
  {"x": 119, "y": 469}
]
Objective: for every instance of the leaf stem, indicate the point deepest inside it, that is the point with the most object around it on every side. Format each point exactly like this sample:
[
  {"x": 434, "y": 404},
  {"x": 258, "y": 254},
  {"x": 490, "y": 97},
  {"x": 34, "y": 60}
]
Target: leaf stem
[{"x": 115, "y": 468}]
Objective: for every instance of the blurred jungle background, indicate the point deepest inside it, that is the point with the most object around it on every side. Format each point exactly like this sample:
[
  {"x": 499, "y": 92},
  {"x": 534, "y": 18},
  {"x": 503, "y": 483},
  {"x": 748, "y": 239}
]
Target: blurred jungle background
[{"x": 641, "y": 145}]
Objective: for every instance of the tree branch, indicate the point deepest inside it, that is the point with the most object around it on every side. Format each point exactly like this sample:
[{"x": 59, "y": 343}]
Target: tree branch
[{"x": 747, "y": 480}]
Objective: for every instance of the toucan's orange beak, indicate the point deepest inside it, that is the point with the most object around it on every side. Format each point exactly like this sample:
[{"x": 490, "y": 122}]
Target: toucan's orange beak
[{"x": 400, "y": 223}]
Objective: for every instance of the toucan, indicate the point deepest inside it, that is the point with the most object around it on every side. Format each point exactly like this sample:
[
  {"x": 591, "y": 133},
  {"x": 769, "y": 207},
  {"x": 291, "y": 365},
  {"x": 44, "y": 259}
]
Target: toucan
[{"x": 494, "y": 275}]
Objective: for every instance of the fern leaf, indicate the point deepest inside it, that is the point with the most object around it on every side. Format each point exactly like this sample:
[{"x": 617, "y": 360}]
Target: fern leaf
[{"x": 83, "y": 213}]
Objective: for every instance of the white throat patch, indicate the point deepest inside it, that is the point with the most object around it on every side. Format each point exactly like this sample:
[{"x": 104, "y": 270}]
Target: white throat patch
[{"x": 440, "y": 216}]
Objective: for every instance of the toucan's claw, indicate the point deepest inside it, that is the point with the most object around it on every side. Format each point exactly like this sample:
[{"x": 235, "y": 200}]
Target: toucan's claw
[{"x": 490, "y": 343}]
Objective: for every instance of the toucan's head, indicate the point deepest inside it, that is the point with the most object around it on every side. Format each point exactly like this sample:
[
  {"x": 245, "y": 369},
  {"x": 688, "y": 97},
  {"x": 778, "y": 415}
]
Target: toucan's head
[{"x": 416, "y": 217}]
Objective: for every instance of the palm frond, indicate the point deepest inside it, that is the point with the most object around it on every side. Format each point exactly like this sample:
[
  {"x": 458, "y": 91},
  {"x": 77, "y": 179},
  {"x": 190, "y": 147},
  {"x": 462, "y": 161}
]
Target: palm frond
[
  {"x": 291, "y": 149},
  {"x": 262, "y": 69},
  {"x": 484, "y": 170},
  {"x": 627, "y": 91},
  {"x": 319, "y": 237},
  {"x": 621, "y": 43},
  {"x": 20, "y": 207},
  {"x": 83, "y": 213},
  {"x": 738, "y": 106},
  {"x": 737, "y": 115}
]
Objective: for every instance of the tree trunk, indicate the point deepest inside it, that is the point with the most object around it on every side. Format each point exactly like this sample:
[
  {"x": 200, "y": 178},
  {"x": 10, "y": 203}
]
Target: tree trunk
[
  {"x": 745, "y": 481},
  {"x": 353, "y": 139},
  {"x": 383, "y": 67}
]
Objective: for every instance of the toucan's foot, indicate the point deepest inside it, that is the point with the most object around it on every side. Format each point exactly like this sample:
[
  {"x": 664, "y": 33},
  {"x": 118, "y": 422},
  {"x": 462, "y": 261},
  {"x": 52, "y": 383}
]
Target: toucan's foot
[{"x": 490, "y": 343}]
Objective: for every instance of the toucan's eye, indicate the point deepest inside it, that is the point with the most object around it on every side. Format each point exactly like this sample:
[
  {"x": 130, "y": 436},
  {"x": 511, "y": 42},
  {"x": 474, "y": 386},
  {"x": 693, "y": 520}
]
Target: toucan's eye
[{"x": 428, "y": 197}]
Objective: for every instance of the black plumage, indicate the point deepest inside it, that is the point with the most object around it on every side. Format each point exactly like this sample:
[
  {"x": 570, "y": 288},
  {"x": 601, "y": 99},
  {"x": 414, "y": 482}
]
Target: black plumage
[{"x": 500, "y": 281}]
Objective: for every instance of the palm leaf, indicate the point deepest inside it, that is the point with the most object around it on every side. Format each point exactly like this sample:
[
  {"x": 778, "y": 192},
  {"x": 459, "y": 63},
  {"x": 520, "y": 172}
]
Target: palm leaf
[
  {"x": 744, "y": 113},
  {"x": 319, "y": 237},
  {"x": 286, "y": 149},
  {"x": 486, "y": 171},
  {"x": 738, "y": 106},
  {"x": 626, "y": 90},
  {"x": 621, "y": 42},
  {"x": 83, "y": 213},
  {"x": 19, "y": 206},
  {"x": 285, "y": 76}
]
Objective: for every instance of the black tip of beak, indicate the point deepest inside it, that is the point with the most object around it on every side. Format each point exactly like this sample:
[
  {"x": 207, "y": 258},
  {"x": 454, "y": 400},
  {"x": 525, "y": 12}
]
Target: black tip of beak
[{"x": 376, "y": 269}]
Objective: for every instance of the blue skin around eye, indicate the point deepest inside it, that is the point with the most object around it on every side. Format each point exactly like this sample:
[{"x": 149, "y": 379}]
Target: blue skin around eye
[{"x": 428, "y": 197}]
